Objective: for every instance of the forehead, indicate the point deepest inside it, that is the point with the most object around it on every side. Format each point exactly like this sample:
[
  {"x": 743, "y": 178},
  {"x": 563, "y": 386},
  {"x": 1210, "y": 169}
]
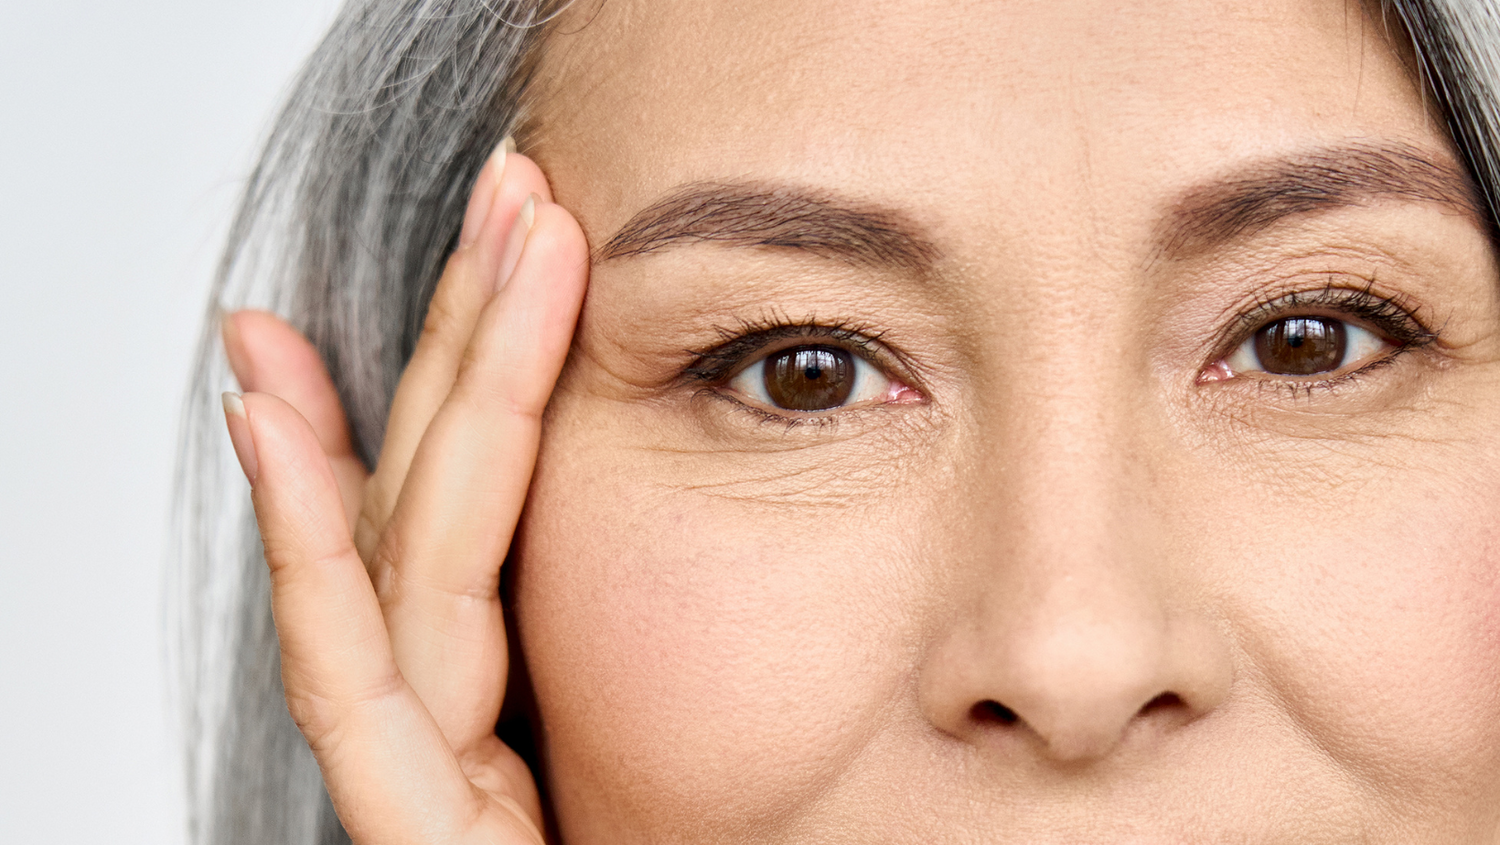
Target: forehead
[{"x": 995, "y": 106}]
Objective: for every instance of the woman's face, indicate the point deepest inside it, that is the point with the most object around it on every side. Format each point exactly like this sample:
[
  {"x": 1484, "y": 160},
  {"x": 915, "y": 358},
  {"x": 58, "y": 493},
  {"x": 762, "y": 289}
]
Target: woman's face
[{"x": 1126, "y": 464}]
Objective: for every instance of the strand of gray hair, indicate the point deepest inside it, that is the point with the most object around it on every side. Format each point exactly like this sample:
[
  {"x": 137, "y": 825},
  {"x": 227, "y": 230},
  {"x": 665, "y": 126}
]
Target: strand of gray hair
[
  {"x": 1458, "y": 46},
  {"x": 344, "y": 227}
]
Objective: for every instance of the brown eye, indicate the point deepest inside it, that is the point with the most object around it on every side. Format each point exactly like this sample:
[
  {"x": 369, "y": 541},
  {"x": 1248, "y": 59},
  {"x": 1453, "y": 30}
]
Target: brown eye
[
  {"x": 1305, "y": 346},
  {"x": 1301, "y": 346},
  {"x": 809, "y": 378}
]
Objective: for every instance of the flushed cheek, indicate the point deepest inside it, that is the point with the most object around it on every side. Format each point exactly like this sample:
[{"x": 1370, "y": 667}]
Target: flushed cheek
[{"x": 703, "y": 664}]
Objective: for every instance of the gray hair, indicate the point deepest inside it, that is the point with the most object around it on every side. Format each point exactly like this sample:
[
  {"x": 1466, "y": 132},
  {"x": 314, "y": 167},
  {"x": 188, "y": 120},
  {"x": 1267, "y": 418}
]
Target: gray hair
[{"x": 345, "y": 224}]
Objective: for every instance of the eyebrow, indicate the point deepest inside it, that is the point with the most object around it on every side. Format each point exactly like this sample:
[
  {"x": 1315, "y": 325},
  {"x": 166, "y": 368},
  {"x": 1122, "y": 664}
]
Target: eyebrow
[
  {"x": 1257, "y": 196},
  {"x": 1247, "y": 201},
  {"x": 776, "y": 216}
]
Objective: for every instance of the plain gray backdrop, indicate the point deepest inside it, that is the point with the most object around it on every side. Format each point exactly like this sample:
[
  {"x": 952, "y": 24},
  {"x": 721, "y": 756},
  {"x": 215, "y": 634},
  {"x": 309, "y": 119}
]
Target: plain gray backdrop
[{"x": 127, "y": 128}]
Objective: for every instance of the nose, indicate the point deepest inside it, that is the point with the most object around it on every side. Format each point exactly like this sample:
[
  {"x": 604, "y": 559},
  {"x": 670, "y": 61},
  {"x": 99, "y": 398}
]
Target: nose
[{"x": 1070, "y": 628}]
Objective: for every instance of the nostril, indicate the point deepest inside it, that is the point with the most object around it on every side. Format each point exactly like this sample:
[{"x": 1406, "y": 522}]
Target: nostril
[
  {"x": 994, "y": 711},
  {"x": 1165, "y": 701}
]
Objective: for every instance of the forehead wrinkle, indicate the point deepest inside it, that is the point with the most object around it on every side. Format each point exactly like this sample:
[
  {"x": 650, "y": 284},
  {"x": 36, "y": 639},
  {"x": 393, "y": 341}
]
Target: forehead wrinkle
[
  {"x": 1259, "y": 195},
  {"x": 775, "y": 216}
]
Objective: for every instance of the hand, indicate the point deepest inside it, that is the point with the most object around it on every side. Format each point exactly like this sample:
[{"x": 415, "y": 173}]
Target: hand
[{"x": 385, "y": 588}]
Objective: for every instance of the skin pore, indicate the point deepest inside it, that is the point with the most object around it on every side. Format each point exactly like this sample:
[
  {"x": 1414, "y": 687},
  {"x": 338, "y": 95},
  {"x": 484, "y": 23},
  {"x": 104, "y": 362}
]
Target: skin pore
[
  {"x": 1083, "y": 581},
  {"x": 1042, "y": 421}
]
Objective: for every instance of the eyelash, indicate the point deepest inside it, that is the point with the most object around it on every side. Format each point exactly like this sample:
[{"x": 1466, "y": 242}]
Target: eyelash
[
  {"x": 1389, "y": 315},
  {"x": 714, "y": 366}
]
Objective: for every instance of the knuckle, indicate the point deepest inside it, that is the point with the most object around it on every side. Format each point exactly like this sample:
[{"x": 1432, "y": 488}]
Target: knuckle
[
  {"x": 385, "y": 567},
  {"x": 316, "y": 718},
  {"x": 324, "y": 716},
  {"x": 442, "y": 319},
  {"x": 489, "y": 398}
]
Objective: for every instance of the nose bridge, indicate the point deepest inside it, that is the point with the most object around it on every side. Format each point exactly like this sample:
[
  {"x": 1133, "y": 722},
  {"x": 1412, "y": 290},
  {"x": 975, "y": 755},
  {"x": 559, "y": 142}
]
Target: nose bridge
[
  {"x": 1073, "y": 591},
  {"x": 1065, "y": 471},
  {"x": 1069, "y": 634}
]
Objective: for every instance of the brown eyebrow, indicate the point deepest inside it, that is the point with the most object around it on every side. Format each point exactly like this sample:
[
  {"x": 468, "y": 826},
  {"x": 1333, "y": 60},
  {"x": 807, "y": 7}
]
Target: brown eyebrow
[
  {"x": 1257, "y": 196},
  {"x": 776, "y": 216},
  {"x": 1249, "y": 200}
]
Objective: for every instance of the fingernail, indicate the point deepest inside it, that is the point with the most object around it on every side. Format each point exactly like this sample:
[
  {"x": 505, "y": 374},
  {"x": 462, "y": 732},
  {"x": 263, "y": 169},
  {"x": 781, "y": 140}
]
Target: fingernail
[
  {"x": 484, "y": 192},
  {"x": 239, "y": 435},
  {"x": 528, "y": 211},
  {"x": 516, "y": 240},
  {"x": 234, "y": 349}
]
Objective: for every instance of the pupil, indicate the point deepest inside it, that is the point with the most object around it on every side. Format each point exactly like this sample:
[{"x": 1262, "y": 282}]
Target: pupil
[
  {"x": 809, "y": 378},
  {"x": 1301, "y": 346}
]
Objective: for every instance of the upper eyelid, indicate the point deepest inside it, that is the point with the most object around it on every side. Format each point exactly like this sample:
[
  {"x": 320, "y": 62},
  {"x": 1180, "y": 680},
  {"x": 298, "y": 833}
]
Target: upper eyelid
[
  {"x": 1400, "y": 319},
  {"x": 754, "y": 342}
]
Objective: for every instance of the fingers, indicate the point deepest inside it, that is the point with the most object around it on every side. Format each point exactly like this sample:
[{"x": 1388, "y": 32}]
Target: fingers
[
  {"x": 269, "y": 356},
  {"x": 452, "y": 526},
  {"x": 389, "y": 770},
  {"x": 399, "y": 707},
  {"x": 489, "y": 248},
  {"x": 333, "y": 637}
]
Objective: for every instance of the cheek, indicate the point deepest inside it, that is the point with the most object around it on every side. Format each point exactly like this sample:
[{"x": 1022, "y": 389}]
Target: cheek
[
  {"x": 701, "y": 660},
  {"x": 1377, "y": 627}
]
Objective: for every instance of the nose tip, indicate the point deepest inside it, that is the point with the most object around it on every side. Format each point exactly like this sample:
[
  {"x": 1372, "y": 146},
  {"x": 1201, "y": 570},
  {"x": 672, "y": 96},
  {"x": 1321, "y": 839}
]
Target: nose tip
[
  {"x": 1073, "y": 691},
  {"x": 1071, "y": 620},
  {"x": 1078, "y": 692}
]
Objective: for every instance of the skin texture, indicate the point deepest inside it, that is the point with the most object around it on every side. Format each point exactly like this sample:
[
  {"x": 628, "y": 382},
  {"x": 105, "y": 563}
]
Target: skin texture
[{"x": 1073, "y": 578}]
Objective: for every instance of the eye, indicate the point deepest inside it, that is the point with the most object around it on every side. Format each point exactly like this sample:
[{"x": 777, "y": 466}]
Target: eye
[
  {"x": 1306, "y": 346},
  {"x": 812, "y": 378}
]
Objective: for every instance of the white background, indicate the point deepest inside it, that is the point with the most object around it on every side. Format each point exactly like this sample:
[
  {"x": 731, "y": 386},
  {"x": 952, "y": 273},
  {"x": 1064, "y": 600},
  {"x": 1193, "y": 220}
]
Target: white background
[{"x": 126, "y": 130}]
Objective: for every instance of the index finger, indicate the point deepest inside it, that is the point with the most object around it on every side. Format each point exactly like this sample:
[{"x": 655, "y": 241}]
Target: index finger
[
  {"x": 452, "y": 526},
  {"x": 472, "y": 275}
]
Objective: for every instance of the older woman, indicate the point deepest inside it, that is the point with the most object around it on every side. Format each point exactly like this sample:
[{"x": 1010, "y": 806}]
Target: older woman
[{"x": 1036, "y": 422}]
